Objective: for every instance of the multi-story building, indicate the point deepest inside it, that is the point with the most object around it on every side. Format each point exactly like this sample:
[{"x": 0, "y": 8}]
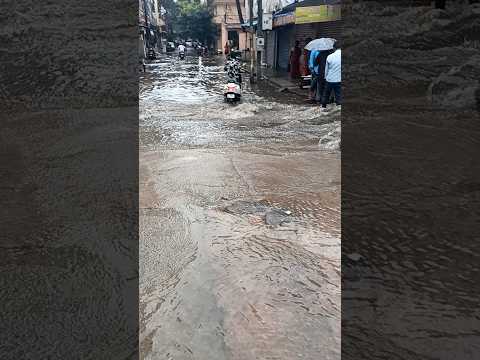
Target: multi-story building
[
  {"x": 160, "y": 26},
  {"x": 142, "y": 33},
  {"x": 229, "y": 28},
  {"x": 152, "y": 26}
]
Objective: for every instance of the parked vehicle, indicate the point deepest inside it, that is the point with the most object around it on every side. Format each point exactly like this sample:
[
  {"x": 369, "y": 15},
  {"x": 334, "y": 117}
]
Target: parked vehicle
[
  {"x": 151, "y": 55},
  {"x": 170, "y": 46},
  {"x": 142, "y": 66},
  {"x": 305, "y": 81},
  {"x": 235, "y": 54}
]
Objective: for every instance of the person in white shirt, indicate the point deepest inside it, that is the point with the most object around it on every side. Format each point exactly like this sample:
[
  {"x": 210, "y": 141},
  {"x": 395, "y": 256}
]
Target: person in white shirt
[
  {"x": 333, "y": 76},
  {"x": 181, "y": 48}
]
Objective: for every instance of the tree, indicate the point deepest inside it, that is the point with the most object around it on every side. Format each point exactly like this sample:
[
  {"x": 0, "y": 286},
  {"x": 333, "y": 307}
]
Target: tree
[
  {"x": 171, "y": 14},
  {"x": 192, "y": 20}
]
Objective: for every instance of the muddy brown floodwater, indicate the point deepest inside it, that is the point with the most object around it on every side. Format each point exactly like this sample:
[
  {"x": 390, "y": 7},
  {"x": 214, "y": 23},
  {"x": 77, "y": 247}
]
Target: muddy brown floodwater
[{"x": 239, "y": 221}]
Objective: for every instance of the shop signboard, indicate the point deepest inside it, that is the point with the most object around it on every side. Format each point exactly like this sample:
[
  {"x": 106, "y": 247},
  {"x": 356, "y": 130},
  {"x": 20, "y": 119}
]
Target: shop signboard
[
  {"x": 314, "y": 14},
  {"x": 284, "y": 19},
  {"x": 267, "y": 20}
]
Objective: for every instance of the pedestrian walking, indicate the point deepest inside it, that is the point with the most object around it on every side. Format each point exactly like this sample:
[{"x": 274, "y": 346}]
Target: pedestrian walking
[
  {"x": 333, "y": 76},
  {"x": 295, "y": 54},
  {"x": 226, "y": 49}
]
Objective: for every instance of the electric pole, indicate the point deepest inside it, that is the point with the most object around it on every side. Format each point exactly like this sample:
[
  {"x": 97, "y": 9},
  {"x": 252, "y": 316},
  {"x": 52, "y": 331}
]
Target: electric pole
[
  {"x": 147, "y": 27},
  {"x": 250, "y": 16},
  {"x": 259, "y": 35}
]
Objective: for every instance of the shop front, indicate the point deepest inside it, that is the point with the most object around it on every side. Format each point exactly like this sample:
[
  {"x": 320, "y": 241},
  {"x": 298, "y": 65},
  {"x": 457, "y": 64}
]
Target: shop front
[
  {"x": 299, "y": 23},
  {"x": 317, "y": 22},
  {"x": 284, "y": 29}
]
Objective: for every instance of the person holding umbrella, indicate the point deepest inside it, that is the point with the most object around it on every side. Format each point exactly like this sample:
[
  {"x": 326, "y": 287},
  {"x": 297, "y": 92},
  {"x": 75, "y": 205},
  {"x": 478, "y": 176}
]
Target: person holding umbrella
[{"x": 319, "y": 50}]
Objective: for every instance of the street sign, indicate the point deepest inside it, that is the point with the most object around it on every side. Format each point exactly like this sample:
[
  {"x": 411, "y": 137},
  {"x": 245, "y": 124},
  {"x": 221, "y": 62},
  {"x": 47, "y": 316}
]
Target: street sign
[
  {"x": 260, "y": 42},
  {"x": 267, "y": 20}
]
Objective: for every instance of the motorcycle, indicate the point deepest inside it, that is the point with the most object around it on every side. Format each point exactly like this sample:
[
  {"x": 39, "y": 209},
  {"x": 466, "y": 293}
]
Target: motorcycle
[
  {"x": 151, "y": 54},
  {"x": 233, "y": 88},
  {"x": 232, "y": 92}
]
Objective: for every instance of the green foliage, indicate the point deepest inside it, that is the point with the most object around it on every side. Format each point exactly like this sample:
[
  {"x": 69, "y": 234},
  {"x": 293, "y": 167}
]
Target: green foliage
[
  {"x": 190, "y": 19},
  {"x": 171, "y": 15}
]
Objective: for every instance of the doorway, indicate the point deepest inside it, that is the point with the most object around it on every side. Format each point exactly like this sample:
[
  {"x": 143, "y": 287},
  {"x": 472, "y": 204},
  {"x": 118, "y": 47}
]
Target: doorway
[{"x": 233, "y": 39}]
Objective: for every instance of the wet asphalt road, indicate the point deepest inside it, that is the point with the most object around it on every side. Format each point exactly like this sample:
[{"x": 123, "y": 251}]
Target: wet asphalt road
[{"x": 239, "y": 220}]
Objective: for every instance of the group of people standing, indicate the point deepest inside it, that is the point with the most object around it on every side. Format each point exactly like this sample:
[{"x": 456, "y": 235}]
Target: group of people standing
[{"x": 324, "y": 66}]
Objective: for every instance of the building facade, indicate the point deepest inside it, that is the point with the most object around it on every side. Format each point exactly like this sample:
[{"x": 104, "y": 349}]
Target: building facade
[
  {"x": 229, "y": 28},
  {"x": 152, "y": 27},
  {"x": 160, "y": 26}
]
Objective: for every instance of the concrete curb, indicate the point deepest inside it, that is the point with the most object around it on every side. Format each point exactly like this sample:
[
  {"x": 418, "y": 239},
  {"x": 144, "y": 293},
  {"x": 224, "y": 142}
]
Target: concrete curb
[{"x": 282, "y": 86}]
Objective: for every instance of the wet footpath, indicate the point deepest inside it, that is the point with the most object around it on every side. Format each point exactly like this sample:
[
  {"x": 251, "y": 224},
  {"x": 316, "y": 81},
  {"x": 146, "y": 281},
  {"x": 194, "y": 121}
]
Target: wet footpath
[{"x": 239, "y": 220}]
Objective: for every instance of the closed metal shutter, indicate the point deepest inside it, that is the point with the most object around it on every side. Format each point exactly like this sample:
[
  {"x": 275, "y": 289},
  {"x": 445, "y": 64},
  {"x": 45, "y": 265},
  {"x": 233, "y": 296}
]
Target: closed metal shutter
[
  {"x": 270, "y": 49},
  {"x": 304, "y": 31},
  {"x": 331, "y": 29},
  {"x": 285, "y": 43}
]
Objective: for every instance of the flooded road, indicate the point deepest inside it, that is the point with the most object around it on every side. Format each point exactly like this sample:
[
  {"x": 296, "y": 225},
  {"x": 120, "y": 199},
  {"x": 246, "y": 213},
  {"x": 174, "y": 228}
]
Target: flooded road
[{"x": 239, "y": 220}]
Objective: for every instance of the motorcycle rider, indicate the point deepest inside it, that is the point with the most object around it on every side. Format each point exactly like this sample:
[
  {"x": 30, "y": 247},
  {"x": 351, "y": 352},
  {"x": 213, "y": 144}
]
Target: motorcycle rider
[
  {"x": 232, "y": 68},
  {"x": 181, "y": 50}
]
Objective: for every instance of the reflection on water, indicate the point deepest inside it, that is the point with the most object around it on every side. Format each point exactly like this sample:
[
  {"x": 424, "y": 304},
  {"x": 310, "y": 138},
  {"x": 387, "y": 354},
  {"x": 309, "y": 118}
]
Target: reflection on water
[
  {"x": 239, "y": 221},
  {"x": 181, "y": 104}
]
